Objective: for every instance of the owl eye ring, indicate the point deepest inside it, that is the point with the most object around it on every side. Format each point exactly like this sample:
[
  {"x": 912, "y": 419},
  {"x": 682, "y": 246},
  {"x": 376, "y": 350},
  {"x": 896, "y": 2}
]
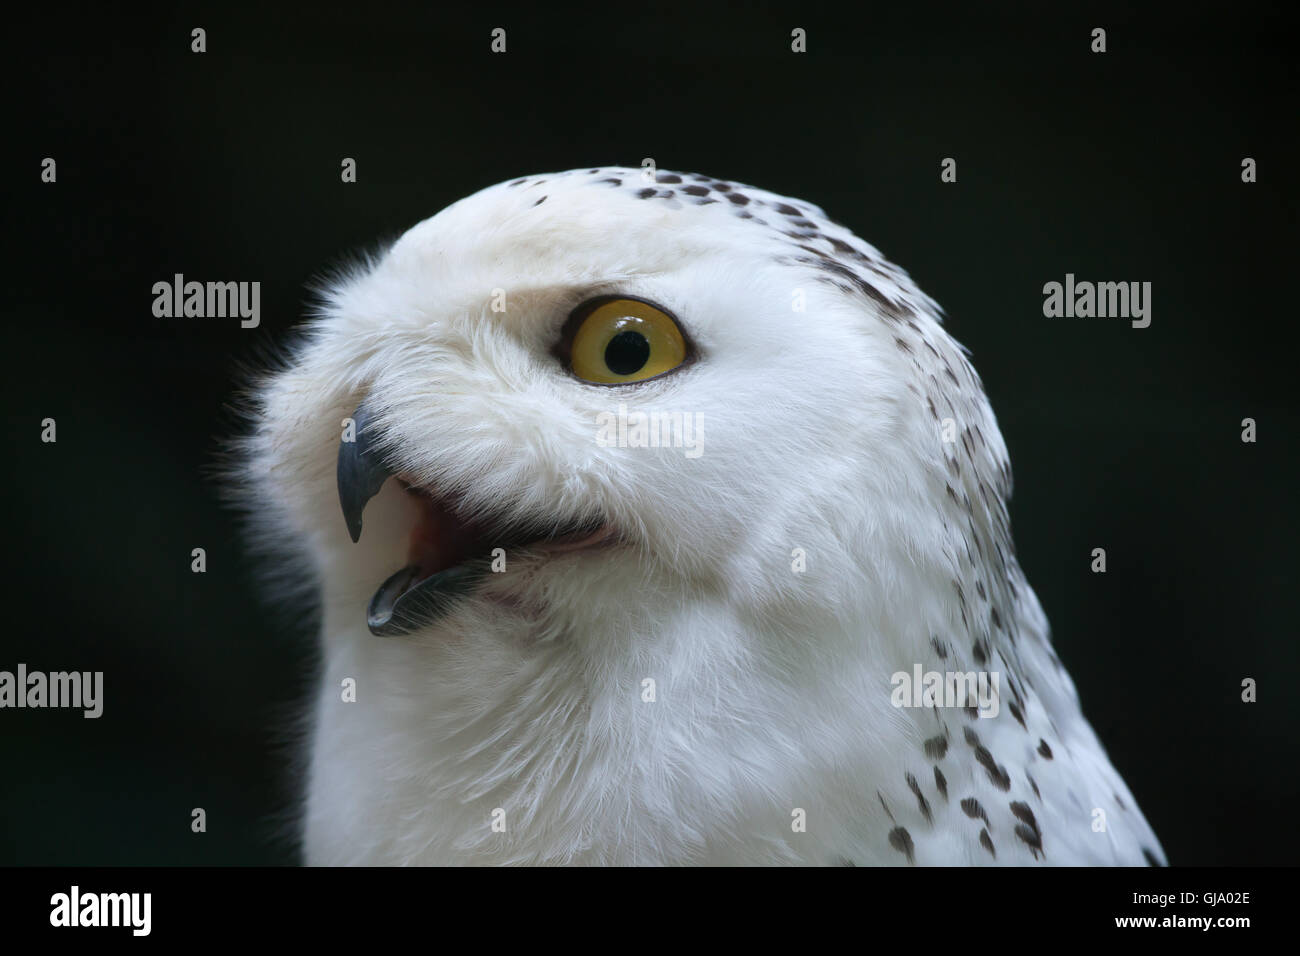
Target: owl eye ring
[{"x": 621, "y": 340}]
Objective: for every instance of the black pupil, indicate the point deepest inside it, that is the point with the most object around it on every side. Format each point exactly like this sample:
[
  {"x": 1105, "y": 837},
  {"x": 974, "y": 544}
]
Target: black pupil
[{"x": 626, "y": 353}]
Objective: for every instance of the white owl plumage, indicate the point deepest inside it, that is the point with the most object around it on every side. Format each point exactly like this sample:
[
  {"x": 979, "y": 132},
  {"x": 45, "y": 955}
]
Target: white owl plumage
[{"x": 673, "y": 690}]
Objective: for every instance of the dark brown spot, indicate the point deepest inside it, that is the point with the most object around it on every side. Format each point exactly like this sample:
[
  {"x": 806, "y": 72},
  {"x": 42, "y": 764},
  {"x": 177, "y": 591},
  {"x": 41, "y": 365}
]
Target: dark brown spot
[
  {"x": 1043, "y": 749},
  {"x": 888, "y": 307},
  {"x": 786, "y": 209},
  {"x": 646, "y": 193},
  {"x": 936, "y": 747},
  {"x": 971, "y": 807},
  {"x": 519, "y": 182},
  {"x": 940, "y": 650},
  {"x": 540, "y": 201},
  {"x": 941, "y": 783},
  {"x": 823, "y": 261},
  {"x": 997, "y": 775},
  {"x": 613, "y": 182},
  {"x": 668, "y": 178},
  {"x": 1151, "y": 858},
  {"x": 722, "y": 187},
  {"x": 972, "y": 738},
  {"x": 921, "y": 802},
  {"x": 903, "y": 345},
  {"x": 1030, "y": 838},
  {"x": 901, "y": 841},
  {"x": 986, "y": 841},
  {"x": 740, "y": 199},
  {"x": 996, "y": 617},
  {"x": 1119, "y": 802},
  {"x": 1015, "y": 712},
  {"x": 979, "y": 589},
  {"x": 1025, "y": 815},
  {"x": 696, "y": 190},
  {"x": 885, "y": 805}
]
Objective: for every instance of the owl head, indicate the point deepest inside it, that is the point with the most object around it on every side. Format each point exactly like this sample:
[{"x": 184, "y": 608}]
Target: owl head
[
  {"x": 573, "y": 404},
  {"x": 586, "y": 438}
]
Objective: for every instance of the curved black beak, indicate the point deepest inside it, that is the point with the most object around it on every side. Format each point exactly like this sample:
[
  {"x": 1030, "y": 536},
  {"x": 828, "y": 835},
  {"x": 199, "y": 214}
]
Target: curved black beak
[
  {"x": 361, "y": 470},
  {"x": 404, "y": 602}
]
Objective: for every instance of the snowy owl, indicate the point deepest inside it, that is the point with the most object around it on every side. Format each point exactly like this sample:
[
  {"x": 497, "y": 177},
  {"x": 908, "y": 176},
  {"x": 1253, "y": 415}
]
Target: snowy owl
[{"x": 655, "y": 519}]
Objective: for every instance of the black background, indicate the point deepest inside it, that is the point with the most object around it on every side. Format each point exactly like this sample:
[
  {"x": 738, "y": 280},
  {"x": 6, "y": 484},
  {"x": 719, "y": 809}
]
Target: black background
[{"x": 225, "y": 165}]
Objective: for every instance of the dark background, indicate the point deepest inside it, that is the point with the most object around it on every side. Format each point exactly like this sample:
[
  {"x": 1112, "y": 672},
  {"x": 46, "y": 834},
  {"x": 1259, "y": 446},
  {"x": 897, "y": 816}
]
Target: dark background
[{"x": 225, "y": 165}]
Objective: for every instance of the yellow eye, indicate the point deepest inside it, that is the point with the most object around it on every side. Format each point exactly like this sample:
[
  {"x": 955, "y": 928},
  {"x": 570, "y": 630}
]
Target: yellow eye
[{"x": 616, "y": 341}]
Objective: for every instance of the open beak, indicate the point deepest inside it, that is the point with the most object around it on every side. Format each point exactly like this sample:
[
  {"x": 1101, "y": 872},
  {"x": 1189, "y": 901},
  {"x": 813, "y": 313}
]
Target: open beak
[
  {"x": 448, "y": 555},
  {"x": 406, "y": 600}
]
